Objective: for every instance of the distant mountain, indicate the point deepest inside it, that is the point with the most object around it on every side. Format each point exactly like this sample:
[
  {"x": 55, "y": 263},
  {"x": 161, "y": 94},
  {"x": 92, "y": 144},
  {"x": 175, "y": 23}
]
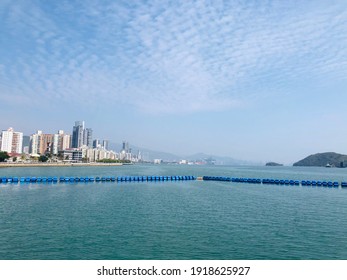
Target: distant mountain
[
  {"x": 218, "y": 159},
  {"x": 150, "y": 155},
  {"x": 147, "y": 154},
  {"x": 322, "y": 159}
]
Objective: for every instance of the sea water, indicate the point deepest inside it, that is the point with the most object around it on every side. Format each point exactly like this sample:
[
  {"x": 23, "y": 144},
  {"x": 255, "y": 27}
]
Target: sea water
[{"x": 173, "y": 219}]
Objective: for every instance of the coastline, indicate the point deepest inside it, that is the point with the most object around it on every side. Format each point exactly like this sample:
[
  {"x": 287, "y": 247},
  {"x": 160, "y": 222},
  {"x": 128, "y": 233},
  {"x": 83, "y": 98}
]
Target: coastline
[{"x": 55, "y": 164}]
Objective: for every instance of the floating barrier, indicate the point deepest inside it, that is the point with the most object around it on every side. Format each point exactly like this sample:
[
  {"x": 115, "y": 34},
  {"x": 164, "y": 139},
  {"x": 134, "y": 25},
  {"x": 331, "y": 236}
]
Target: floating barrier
[
  {"x": 120, "y": 179},
  {"x": 94, "y": 179},
  {"x": 286, "y": 182}
]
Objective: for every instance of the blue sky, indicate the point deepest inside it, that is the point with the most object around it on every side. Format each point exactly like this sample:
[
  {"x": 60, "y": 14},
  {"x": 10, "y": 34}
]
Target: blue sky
[{"x": 253, "y": 80}]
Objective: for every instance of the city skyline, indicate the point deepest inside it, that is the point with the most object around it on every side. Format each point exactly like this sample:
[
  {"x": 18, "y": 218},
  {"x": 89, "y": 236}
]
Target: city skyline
[
  {"x": 80, "y": 136},
  {"x": 257, "y": 81},
  {"x": 78, "y": 147}
]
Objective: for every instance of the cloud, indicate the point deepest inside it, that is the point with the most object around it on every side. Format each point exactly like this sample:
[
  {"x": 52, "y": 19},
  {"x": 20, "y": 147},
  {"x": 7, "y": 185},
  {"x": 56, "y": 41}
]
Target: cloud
[{"x": 171, "y": 57}]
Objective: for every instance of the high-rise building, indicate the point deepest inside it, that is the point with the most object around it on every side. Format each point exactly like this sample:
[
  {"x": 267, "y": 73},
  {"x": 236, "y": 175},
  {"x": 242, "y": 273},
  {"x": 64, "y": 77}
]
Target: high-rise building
[
  {"x": 88, "y": 137},
  {"x": 105, "y": 144},
  {"x": 35, "y": 140},
  {"x": 81, "y": 136},
  {"x": 55, "y": 144},
  {"x": 26, "y": 144},
  {"x": 125, "y": 146},
  {"x": 96, "y": 144},
  {"x": 6, "y": 143},
  {"x": 77, "y": 134},
  {"x": 63, "y": 141},
  {"x": 125, "y": 152},
  {"x": 11, "y": 141},
  {"x": 46, "y": 144},
  {"x": 66, "y": 142},
  {"x": 17, "y": 142},
  {"x": 42, "y": 144}
]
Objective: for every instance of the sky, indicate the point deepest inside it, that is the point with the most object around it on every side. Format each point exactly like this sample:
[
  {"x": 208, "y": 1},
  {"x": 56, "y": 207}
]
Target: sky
[{"x": 253, "y": 80}]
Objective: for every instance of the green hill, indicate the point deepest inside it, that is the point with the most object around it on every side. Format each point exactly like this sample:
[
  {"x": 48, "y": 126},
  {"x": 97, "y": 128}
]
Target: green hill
[{"x": 322, "y": 159}]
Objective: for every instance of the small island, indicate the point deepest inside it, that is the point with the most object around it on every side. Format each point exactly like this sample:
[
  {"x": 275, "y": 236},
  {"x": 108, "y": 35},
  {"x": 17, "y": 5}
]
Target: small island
[{"x": 273, "y": 164}]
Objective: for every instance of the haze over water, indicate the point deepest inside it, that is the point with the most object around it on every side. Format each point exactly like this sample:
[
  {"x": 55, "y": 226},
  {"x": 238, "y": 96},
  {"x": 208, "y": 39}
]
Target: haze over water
[{"x": 173, "y": 220}]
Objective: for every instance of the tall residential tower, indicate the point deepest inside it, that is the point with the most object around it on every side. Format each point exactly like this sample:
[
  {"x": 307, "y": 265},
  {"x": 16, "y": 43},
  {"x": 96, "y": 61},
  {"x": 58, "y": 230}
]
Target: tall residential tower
[
  {"x": 11, "y": 141},
  {"x": 81, "y": 136}
]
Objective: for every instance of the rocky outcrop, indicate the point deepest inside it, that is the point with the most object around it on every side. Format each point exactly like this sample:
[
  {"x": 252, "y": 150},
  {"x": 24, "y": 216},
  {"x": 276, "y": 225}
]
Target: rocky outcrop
[{"x": 273, "y": 164}]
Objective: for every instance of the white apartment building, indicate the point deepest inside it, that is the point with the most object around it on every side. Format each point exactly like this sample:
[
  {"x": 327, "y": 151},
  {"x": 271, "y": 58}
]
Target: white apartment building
[
  {"x": 55, "y": 146},
  {"x": 41, "y": 143},
  {"x": 12, "y": 141},
  {"x": 35, "y": 141},
  {"x": 65, "y": 142}
]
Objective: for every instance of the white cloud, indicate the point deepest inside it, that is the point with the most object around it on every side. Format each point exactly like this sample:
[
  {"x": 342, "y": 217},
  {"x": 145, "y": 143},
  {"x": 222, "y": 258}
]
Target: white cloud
[{"x": 171, "y": 57}]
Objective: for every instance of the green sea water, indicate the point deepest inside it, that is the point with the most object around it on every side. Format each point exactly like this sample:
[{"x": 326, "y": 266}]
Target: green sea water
[{"x": 173, "y": 220}]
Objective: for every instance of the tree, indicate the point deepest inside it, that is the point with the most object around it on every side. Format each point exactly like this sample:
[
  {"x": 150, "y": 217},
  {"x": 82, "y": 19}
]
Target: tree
[
  {"x": 4, "y": 156},
  {"x": 60, "y": 155},
  {"x": 43, "y": 158}
]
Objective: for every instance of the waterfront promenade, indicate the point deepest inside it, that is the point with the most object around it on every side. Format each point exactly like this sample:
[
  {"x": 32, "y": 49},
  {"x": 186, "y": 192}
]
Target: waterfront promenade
[{"x": 56, "y": 164}]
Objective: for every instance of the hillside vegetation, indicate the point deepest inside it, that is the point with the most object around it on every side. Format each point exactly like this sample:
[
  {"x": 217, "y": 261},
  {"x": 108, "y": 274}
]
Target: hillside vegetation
[{"x": 322, "y": 159}]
